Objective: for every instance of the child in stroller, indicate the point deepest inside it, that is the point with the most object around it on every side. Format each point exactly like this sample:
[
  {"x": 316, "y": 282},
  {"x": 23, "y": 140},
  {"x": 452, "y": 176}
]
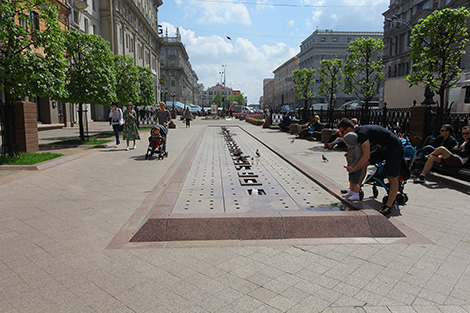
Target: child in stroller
[
  {"x": 157, "y": 142},
  {"x": 377, "y": 176}
]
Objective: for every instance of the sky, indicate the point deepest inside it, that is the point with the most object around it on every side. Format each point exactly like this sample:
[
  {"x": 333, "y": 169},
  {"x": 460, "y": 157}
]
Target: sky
[{"x": 254, "y": 37}]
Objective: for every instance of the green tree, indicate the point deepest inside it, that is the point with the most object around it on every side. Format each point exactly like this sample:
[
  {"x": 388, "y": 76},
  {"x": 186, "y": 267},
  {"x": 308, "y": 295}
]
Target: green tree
[
  {"x": 217, "y": 99},
  {"x": 239, "y": 98},
  {"x": 146, "y": 87},
  {"x": 363, "y": 70},
  {"x": 90, "y": 75},
  {"x": 330, "y": 73},
  {"x": 127, "y": 80},
  {"x": 303, "y": 80},
  {"x": 31, "y": 58},
  {"x": 436, "y": 48}
]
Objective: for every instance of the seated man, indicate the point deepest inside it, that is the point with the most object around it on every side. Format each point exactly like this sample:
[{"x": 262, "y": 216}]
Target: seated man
[
  {"x": 445, "y": 139},
  {"x": 285, "y": 123},
  {"x": 456, "y": 157}
]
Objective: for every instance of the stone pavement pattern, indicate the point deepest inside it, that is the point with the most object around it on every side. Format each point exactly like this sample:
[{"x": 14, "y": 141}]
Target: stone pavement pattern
[{"x": 55, "y": 226}]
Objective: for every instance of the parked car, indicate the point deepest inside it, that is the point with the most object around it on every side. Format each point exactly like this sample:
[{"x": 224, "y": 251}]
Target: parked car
[
  {"x": 195, "y": 109},
  {"x": 319, "y": 106},
  {"x": 359, "y": 104}
]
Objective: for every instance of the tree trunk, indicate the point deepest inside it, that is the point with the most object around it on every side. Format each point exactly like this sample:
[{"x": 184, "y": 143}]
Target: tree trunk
[
  {"x": 305, "y": 113},
  {"x": 9, "y": 134},
  {"x": 80, "y": 121}
]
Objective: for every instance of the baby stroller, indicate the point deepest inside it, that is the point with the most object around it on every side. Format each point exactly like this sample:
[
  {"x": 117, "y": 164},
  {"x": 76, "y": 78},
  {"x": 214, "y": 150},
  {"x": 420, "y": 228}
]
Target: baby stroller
[
  {"x": 157, "y": 142},
  {"x": 377, "y": 176}
]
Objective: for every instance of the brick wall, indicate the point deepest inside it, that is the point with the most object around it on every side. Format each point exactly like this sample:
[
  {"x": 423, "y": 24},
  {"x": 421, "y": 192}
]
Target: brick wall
[{"x": 26, "y": 127}]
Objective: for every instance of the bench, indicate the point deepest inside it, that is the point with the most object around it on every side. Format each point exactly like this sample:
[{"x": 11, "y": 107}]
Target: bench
[
  {"x": 317, "y": 133},
  {"x": 459, "y": 173}
]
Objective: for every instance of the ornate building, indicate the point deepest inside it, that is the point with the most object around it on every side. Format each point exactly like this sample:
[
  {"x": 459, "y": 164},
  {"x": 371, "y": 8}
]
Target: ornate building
[{"x": 178, "y": 79}]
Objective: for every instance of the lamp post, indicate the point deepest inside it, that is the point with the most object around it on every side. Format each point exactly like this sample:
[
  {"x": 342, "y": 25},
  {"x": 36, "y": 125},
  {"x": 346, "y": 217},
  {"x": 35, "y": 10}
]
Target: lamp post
[
  {"x": 173, "y": 112},
  {"x": 224, "y": 66},
  {"x": 166, "y": 92}
]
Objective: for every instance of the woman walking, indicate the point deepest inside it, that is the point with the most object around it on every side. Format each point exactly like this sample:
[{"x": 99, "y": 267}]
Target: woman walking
[
  {"x": 163, "y": 118},
  {"x": 130, "y": 130},
  {"x": 115, "y": 116},
  {"x": 188, "y": 117}
]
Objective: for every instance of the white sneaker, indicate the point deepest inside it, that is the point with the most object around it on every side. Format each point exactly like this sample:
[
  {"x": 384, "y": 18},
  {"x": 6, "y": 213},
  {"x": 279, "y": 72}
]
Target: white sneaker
[
  {"x": 348, "y": 194},
  {"x": 134, "y": 147},
  {"x": 354, "y": 197},
  {"x": 127, "y": 148}
]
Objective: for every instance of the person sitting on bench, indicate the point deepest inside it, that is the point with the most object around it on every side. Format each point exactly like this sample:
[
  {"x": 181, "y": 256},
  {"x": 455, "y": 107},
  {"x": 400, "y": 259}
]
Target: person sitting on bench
[
  {"x": 456, "y": 157},
  {"x": 311, "y": 127}
]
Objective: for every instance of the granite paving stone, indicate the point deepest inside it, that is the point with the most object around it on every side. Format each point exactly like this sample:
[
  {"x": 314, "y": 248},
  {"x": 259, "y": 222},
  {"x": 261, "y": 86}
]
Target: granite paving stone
[{"x": 57, "y": 226}]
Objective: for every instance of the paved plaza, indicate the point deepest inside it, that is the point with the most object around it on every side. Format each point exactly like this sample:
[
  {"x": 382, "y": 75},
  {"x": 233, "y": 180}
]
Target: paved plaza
[{"x": 61, "y": 229}]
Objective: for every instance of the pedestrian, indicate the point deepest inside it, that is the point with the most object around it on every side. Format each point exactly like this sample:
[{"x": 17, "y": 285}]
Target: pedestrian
[
  {"x": 188, "y": 116},
  {"x": 377, "y": 144},
  {"x": 353, "y": 155},
  {"x": 163, "y": 116},
  {"x": 455, "y": 157},
  {"x": 115, "y": 114},
  {"x": 130, "y": 130}
]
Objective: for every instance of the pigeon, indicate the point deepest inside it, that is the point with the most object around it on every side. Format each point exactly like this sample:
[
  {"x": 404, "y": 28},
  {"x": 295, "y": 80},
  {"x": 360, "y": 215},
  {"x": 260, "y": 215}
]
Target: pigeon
[
  {"x": 323, "y": 157},
  {"x": 292, "y": 140},
  {"x": 257, "y": 153}
]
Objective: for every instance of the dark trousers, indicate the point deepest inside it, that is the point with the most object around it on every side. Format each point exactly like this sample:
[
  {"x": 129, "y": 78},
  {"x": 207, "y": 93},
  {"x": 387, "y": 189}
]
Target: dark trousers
[{"x": 116, "y": 128}]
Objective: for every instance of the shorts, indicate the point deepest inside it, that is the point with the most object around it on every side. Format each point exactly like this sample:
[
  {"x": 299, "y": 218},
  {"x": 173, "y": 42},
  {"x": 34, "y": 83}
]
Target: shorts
[
  {"x": 355, "y": 177},
  {"x": 392, "y": 160},
  {"x": 451, "y": 161}
]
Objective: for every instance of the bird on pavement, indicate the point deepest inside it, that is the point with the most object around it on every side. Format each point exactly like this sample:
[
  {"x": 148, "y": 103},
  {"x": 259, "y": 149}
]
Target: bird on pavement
[
  {"x": 323, "y": 157},
  {"x": 257, "y": 153}
]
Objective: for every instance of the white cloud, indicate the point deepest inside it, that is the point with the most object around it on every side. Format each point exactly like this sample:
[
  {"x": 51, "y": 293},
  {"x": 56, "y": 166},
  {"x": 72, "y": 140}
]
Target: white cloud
[{"x": 247, "y": 64}]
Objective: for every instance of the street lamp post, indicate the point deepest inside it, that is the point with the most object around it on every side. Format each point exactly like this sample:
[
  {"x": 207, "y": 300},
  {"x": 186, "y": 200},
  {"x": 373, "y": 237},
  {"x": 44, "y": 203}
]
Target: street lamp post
[{"x": 224, "y": 66}]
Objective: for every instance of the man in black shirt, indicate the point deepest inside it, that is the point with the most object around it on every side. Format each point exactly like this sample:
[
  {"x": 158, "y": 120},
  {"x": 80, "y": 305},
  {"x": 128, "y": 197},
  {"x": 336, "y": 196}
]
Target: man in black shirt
[{"x": 377, "y": 144}]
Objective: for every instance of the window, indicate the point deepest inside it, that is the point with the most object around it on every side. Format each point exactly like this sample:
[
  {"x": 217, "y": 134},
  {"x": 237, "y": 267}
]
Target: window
[
  {"x": 24, "y": 22},
  {"x": 94, "y": 29},
  {"x": 162, "y": 52},
  {"x": 335, "y": 39},
  {"x": 75, "y": 17},
  {"x": 172, "y": 52},
  {"x": 323, "y": 39},
  {"x": 173, "y": 83},
  {"x": 34, "y": 21},
  {"x": 87, "y": 27},
  {"x": 172, "y": 63},
  {"x": 93, "y": 5}
]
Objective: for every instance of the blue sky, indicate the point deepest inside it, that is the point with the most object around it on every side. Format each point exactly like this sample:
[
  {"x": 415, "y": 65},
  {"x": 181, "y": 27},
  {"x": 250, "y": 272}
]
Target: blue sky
[{"x": 264, "y": 33}]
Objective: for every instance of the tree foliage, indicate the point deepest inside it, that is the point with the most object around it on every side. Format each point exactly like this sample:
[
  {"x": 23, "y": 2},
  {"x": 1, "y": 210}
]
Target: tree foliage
[
  {"x": 91, "y": 76},
  {"x": 31, "y": 57},
  {"x": 217, "y": 99},
  {"x": 127, "y": 80},
  {"x": 146, "y": 87},
  {"x": 363, "y": 70},
  {"x": 303, "y": 80},
  {"x": 239, "y": 98},
  {"x": 330, "y": 73},
  {"x": 436, "y": 48}
]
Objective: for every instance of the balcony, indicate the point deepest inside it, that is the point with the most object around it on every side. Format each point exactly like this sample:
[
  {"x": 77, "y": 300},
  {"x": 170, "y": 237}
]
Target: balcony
[{"x": 80, "y": 4}]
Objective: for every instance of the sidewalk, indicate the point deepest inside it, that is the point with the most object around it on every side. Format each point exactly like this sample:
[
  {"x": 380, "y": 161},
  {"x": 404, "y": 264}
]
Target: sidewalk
[{"x": 55, "y": 225}]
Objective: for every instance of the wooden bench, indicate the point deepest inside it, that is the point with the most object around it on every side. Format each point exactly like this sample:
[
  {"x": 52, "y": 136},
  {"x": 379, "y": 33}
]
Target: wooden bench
[{"x": 459, "y": 173}]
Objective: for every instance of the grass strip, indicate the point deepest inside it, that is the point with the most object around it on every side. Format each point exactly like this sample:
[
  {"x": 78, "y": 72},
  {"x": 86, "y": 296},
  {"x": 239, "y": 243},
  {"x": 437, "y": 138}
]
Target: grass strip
[{"x": 25, "y": 158}]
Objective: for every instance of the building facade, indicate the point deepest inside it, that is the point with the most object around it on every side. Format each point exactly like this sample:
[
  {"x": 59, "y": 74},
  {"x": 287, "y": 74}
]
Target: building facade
[
  {"x": 268, "y": 93},
  {"x": 399, "y": 21},
  {"x": 179, "y": 81},
  {"x": 329, "y": 44},
  {"x": 284, "y": 88},
  {"x": 209, "y": 94}
]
